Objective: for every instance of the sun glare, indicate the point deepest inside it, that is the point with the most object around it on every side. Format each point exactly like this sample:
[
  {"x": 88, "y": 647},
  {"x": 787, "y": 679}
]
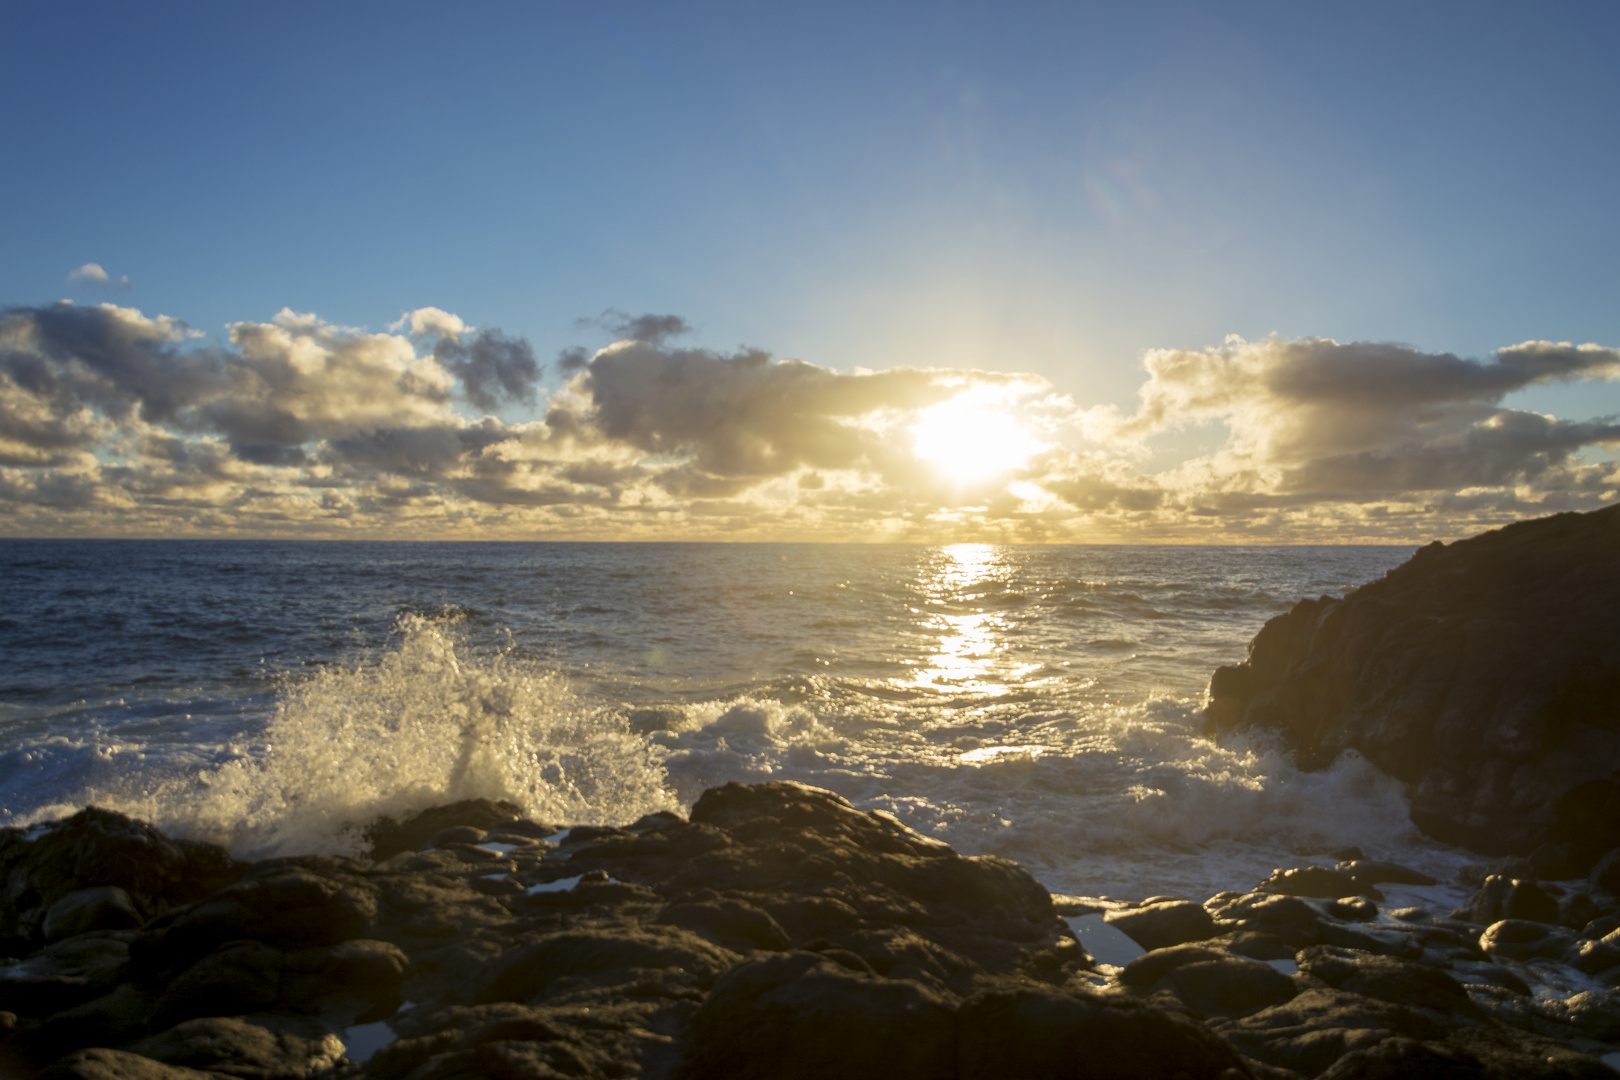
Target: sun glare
[{"x": 971, "y": 440}]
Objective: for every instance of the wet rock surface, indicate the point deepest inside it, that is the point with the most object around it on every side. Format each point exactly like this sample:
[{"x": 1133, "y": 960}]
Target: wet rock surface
[
  {"x": 779, "y": 932},
  {"x": 1485, "y": 674}
]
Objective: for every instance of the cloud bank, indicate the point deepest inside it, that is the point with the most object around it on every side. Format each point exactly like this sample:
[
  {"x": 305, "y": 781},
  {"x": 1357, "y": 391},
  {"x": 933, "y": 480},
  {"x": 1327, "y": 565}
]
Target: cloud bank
[{"x": 116, "y": 423}]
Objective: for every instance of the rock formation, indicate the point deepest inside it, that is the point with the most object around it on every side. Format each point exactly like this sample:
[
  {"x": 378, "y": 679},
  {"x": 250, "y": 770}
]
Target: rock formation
[
  {"x": 778, "y": 933},
  {"x": 1485, "y": 674}
]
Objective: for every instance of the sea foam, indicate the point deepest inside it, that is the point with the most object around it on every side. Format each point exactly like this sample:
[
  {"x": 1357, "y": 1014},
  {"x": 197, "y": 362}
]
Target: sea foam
[{"x": 425, "y": 722}]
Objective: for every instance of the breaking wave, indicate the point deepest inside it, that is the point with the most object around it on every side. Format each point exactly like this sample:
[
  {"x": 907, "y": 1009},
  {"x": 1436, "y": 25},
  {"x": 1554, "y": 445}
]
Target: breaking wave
[{"x": 426, "y": 722}]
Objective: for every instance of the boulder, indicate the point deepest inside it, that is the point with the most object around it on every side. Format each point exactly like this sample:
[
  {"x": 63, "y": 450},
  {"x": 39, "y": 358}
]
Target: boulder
[
  {"x": 106, "y": 907},
  {"x": 800, "y": 1015},
  {"x": 1521, "y": 939},
  {"x": 1510, "y": 898},
  {"x": 1043, "y": 1033},
  {"x": 250, "y": 1047},
  {"x": 102, "y": 1064},
  {"x": 98, "y": 848},
  {"x": 1318, "y": 882},
  {"x": 289, "y": 906},
  {"x": 389, "y": 837},
  {"x": 1485, "y": 674},
  {"x": 1397, "y": 1058},
  {"x": 1160, "y": 925},
  {"x": 1377, "y": 872}
]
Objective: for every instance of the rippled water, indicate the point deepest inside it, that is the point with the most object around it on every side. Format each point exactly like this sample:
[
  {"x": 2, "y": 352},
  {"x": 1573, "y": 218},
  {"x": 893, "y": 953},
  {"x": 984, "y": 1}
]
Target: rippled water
[{"x": 1035, "y": 702}]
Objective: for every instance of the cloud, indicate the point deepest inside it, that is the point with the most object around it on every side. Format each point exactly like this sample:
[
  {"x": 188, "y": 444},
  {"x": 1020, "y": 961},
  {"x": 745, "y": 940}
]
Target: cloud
[
  {"x": 1316, "y": 419},
  {"x": 491, "y": 367},
  {"x": 93, "y": 274},
  {"x": 648, "y": 329},
  {"x": 115, "y": 422}
]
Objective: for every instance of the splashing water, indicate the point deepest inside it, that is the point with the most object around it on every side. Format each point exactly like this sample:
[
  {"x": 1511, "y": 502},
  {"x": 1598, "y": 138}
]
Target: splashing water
[{"x": 424, "y": 723}]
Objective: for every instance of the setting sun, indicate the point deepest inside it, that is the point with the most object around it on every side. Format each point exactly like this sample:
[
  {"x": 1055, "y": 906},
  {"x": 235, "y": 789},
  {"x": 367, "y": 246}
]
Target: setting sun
[{"x": 971, "y": 440}]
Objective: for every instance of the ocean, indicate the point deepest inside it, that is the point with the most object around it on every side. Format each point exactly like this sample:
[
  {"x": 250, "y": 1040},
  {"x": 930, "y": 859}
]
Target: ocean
[{"x": 1036, "y": 702}]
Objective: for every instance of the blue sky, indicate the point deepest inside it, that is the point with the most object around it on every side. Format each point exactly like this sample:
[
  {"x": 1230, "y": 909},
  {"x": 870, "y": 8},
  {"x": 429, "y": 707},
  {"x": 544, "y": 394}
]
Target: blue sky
[{"x": 1041, "y": 189}]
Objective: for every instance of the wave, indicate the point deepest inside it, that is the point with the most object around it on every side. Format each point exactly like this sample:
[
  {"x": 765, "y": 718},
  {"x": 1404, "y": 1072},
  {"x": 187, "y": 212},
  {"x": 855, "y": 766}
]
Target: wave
[{"x": 426, "y": 722}]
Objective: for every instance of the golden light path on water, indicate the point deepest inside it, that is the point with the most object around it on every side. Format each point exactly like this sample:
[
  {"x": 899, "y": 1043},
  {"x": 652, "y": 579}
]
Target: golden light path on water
[{"x": 972, "y": 651}]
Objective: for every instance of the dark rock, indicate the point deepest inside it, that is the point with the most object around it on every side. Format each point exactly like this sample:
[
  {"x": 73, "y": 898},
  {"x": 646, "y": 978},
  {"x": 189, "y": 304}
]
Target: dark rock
[
  {"x": 1594, "y": 957},
  {"x": 1258, "y": 945},
  {"x": 254, "y": 1048},
  {"x": 1475, "y": 972},
  {"x": 1401, "y": 1059},
  {"x": 1374, "y": 872},
  {"x": 389, "y": 837},
  {"x": 1484, "y": 674},
  {"x": 1355, "y": 908},
  {"x": 1041, "y": 1033},
  {"x": 1510, "y": 898},
  {"x": 1555, "y": 862},
  {"x": 1318, "y": 1027},
  {"x": 1578, "y": 908},
  {"x": 1596, "y": 1013},
  {"x": 1150, "y": 967},
  {"x": 1388, "y": 978},
  {"x": 64, "y": 975},
  {"x": 1586, "y": 817},
  {"x": 1230, "y": 986},
  {"x": 1160, "y": 925},
  {"x": 800, "y": 1015},
  {"x": 351, "y": 977},
  {"x": 458, "y": 834},
  {"x": 1318, "y": 882},
  {"x": 101, "y": 1064},
  {"x": 1606, "y": 874},
  {"x": 615, "y": 1040},
  {"x": 96, "y": 848},
  {"x": 241, "y": 977},
  {"x": 106, "y": 907},
  {"x": 284, "y": 905},
  {"x": 1528, "y": 900},
  {"x": 1519, "y": 939},
  {"x": 1262, "y": 910},
  {"x": 603, "y": 956},
  {"x": 110, "y": 1020}
]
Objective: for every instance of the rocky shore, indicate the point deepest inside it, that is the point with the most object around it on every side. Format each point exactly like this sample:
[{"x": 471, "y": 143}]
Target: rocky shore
[
  {"x": 779, "y": 932},
  {"x": 1485, "y": 674}
]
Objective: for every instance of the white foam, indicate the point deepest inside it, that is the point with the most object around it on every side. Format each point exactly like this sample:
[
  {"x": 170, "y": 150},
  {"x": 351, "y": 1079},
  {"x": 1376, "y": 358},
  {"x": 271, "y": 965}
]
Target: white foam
[{"x": 427, "y": 722}]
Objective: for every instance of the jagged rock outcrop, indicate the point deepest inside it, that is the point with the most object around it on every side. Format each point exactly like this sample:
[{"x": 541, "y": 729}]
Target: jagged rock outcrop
[
  {"x": 1485, "y": 674},
  {"x": 779, "y": 932}
]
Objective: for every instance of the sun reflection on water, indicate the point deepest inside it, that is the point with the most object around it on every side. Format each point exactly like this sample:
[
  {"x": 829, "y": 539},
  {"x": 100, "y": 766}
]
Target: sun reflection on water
[{"x": 972, "y": 651}]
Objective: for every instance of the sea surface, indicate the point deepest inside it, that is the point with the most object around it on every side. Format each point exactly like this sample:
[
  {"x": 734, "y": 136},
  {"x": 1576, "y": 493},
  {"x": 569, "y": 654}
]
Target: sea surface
[{"x": 1040, "y": 703}]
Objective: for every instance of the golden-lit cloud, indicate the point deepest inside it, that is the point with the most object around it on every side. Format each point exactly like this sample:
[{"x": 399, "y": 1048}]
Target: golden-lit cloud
[{"x": 113, "y": 422}]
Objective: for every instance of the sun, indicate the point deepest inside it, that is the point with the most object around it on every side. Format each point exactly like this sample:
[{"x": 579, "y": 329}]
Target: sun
[{"x": 971, "y": 440}]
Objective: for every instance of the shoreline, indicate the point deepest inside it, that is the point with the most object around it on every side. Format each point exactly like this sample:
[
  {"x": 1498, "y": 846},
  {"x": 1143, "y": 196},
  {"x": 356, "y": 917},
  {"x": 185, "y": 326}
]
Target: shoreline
[{"x": 737, "y": 941}]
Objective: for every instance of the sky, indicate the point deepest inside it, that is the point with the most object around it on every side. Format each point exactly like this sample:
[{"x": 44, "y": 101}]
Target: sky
[{"x": 1157, "y": 272}]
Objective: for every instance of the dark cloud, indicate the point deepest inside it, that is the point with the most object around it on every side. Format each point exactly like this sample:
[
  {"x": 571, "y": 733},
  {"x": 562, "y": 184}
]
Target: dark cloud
[
  {"x": 742, "y": 415},
  {"x": 106, "y": 358},
  {"x": 650, "y": 329},
  {"x": 491, "y": 367}
]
